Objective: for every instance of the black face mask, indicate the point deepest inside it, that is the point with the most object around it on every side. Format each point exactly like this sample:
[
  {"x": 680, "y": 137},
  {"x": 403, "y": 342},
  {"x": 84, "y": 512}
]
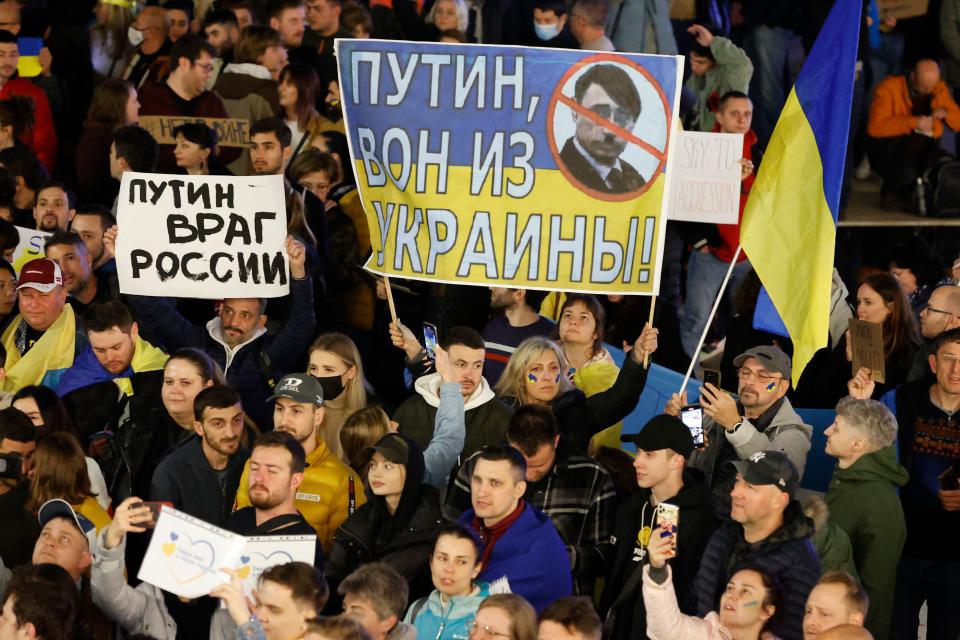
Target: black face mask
[{"x": 332, "y": 386}]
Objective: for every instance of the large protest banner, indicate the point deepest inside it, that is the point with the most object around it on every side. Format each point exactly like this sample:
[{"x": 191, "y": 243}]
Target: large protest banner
[
  {"x": 511, "y": 166},
  {"x": 202, "y": 236}
]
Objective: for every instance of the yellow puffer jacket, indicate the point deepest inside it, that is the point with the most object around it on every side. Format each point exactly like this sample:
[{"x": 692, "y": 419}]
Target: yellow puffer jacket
[{"x": 325, "y": 495}]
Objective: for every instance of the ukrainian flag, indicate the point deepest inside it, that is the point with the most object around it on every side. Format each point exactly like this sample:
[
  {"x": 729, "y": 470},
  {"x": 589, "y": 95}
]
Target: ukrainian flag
[{"x": 790, "y": 220}]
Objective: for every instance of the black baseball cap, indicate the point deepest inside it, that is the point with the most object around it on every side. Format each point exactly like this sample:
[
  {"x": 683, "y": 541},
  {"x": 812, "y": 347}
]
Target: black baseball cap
[
  {"x": 663, "y": 432},
  {"x": 770, "y": 467},
  {"x": 299, "y": 387},
  {"x": 392, "y": 446}
]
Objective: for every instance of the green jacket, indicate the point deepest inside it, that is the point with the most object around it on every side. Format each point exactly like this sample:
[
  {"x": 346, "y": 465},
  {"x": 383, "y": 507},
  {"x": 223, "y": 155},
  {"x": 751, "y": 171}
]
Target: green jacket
[
  {"x": 732, "y": 72},
  {"x": 863, "y": 501}
]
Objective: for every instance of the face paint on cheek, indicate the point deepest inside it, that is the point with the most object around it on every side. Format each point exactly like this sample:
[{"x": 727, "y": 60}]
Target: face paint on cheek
[
  {"x": 532, "y": 379},
  {"x": 771, "y": 386},
  {"x": 557, "y": 379},
  {"x": 751, "y": 604}
]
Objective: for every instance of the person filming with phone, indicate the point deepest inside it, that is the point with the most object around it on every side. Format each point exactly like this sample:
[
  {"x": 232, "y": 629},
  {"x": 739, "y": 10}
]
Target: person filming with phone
[
  {"x": 761, "y": 420},
  {"x": 663, "y": 447}
]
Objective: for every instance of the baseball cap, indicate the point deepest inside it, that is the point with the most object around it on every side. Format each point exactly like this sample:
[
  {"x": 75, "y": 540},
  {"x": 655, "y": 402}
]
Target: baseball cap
[
  {"x": 772, "y": 359},
  {"x": 59, "y": 508},
  {"x": 392, "y": 446},
  {"x": 663, "y": 432},
  {"x": 41, "y": 274},
  {"x": 769, "y": 467},
  {"x": 299, "y": 387}
]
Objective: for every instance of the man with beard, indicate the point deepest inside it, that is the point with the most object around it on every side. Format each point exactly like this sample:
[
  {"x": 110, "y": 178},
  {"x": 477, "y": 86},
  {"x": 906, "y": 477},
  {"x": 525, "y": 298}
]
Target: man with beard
[
  {"x": 761, "y": 420},
  {"x": 516, "y": 320},
  {"x": 55, "y": 207},
  {"x": 330, "y": 491},
  {"x": 201, "y": 476},
  {"x": 84, "y": 286},
  {"x": 90, "y": 223}
]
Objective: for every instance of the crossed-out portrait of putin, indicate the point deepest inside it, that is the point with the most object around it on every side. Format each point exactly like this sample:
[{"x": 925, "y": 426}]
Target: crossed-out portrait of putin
[{"x": 592, "y": 155}]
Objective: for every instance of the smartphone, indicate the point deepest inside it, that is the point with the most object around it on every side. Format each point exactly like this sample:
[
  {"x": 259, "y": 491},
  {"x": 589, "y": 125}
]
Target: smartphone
[
  {"x": 712, "y": 376},
  {"x": 692, "y": 417},
  {"x": 154, "y": 512},
  {"x": 668, "y": 516},
  {"x": 950, "y": 479},
  {"x": 11, "y": 466},
  {"x": 430, "y": 339}
]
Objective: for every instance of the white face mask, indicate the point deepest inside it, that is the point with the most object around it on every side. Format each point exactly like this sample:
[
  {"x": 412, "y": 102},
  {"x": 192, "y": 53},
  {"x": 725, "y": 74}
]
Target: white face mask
[
  {"x": 546, "y": 31},
  {"x": 135, "y": 36}
]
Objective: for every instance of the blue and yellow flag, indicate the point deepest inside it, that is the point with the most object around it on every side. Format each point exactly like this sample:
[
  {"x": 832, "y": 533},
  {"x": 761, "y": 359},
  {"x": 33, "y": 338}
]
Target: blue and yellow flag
[{"x": 790, "y": 220}]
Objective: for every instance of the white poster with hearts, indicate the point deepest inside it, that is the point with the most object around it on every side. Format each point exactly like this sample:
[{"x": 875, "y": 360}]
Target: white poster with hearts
[
  {"x": 186, "y": 555},
  {"x": 261, "y": 553}
]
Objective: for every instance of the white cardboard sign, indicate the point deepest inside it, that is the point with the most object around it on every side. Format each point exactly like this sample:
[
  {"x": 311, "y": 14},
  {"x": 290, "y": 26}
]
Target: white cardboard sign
[{"x": 706, "y": 179}]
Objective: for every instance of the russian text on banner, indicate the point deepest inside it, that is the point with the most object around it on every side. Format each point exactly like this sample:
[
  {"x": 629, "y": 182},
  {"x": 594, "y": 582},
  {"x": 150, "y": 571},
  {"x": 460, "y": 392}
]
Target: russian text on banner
[
  {"x": 789, "y": 222},
  {"x": 202, "y": 236},
  {"x": 510, "y": 166}
]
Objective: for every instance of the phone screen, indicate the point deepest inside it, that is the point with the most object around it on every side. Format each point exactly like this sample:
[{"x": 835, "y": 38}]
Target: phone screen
[
  {"x": 692, "y": 416},
  {"x": 712, "y": 376},
  {"x": 430, "y": 340}
]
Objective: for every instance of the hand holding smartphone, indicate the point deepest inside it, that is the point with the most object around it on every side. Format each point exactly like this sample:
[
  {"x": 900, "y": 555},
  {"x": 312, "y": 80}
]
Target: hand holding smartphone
[{"x": 430, "y": 340}]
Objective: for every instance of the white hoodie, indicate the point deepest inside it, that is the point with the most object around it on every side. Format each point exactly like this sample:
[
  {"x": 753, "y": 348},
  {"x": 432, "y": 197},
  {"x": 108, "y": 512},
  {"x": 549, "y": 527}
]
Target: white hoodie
[{"x": 429, "y": 387}]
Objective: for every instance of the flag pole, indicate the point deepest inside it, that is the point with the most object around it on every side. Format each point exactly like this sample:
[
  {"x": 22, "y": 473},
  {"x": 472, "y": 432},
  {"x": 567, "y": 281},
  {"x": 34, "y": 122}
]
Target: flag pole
[
  {"x": 653, "y": 305},
  {"x": 393, "y": 308},
  {"x": 713, "y": 312}
]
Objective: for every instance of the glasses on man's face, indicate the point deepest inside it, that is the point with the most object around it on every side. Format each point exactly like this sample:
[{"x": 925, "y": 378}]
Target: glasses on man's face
[
  {"x": 207, "y": 68},
  {"x": 935, "y": 310},
  {"x": 761, "y": 376},
  {"x": 949, "y": 359},
  {"x": 619, "y": 117},
  {"x": 484, "y": 631}
]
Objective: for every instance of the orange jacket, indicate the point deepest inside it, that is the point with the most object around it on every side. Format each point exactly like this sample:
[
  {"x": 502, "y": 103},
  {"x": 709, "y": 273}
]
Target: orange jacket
[{"x": 890, "y": 111}]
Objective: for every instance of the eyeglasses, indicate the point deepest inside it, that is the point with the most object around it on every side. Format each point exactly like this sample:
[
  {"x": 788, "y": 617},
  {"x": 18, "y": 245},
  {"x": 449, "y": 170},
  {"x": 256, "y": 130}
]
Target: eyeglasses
[
  {"x": 935, "y": 310},
  {"x": 949, "y": 359},
  {"x": 208, "y": 68},
  {"x": 485, "y": 631},
  {"x": 746, "y": 374}
]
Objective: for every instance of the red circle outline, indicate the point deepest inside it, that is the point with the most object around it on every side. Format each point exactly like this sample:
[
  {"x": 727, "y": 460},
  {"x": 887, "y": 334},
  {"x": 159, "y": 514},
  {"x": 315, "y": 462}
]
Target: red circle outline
[{"x": 608, "y": 197}]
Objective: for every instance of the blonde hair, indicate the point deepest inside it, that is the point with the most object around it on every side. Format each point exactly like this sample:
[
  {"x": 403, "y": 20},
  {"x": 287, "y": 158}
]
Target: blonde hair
[
  {"x": 361, "y": 429},
  {"x": 513, "y": 381},
  {"x": 355, "y": 391}
]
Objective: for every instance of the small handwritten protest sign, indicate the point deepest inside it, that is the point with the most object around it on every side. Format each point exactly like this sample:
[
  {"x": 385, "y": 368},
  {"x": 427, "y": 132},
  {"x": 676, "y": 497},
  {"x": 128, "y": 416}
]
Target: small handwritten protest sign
[
  {"x": 229, "y": 132},
  {"x": 866, "y": 346},
  {"x": 900, "y": 9},
  {"x": 202, "y": 236},
  {"x": 262, "y": 552},
  {"x": 186, "y": 555},
  {"x": 29, "y": 248},
  {"x": 707, "y": 177}
]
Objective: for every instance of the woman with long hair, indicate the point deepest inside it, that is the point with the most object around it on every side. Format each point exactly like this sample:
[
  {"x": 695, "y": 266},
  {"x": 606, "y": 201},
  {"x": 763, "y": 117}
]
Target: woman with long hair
[
  {"x": 360, "y": 430},
  {"x": 195, "y": 150},
  {"x": 298, "y": 92},
  {"x": 504, "y": 615},
  {"x": 115, "y": 104},
  {"x": 109, "y": 48},
  {"x": 537, "y": 374},
  {"x": 60, "y": 471},
  {"x": 335, "y": 363}
]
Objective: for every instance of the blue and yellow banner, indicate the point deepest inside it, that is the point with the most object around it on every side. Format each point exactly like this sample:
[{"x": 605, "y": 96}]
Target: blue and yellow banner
[{"x": 511, "y": 166}]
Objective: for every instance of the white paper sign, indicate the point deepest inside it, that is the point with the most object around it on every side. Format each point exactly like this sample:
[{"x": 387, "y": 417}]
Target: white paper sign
[
  {"x": 30, "y": 247},
  {"x": 186, "y": 555},
  {"x": 202, "y": 236},
  {"x": 706, "y": 178},
  {"x": 261, "y": 553}
]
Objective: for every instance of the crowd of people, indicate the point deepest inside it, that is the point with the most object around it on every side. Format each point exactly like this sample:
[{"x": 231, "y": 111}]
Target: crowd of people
[{"x": 475, "y": 488}]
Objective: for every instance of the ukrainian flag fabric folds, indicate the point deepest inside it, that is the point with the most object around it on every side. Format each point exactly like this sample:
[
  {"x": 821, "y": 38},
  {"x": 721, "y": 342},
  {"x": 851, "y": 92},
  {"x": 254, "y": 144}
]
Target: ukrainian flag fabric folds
[{"x": 789, "y": 223}]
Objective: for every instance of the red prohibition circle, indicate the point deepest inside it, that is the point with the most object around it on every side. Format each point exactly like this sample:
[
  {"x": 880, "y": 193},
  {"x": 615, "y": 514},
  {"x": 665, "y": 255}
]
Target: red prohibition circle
[{"x": 551, "y": 113}]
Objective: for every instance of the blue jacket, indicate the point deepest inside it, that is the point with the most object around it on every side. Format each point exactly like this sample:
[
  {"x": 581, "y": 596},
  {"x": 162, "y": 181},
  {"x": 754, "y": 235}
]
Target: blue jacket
[
  {"x": 253, "y": 365},
  {"x": 530, "y": 559},
  {"x": 434, "y": 621}
]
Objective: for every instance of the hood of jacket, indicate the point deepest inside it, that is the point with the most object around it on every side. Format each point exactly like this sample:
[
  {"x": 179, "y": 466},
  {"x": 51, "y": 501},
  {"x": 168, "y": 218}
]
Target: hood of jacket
[
  {"x": 796, "y": 526},
  {"x": 786, "y": 415},
  {"x": 238, "y": 80},
  {"x": 458, "y": 607},
  {"x": 429, "y": 388},
  {"x": 215, "y": 329},
  {"x": 694, "y": 494},
  {"x": 879, "y": 466}
]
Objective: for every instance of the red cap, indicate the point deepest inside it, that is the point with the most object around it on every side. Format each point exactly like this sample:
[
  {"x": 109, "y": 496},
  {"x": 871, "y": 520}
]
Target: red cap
[{"x": 41, "y": 274}]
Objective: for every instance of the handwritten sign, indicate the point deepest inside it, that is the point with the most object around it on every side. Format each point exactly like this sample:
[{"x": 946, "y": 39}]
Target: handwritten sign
[
  {"x": 202, "y": 236},
  {"x": 230, "y": 132},
  {"x": 29, "y": 248},
  {"x": 866, "y": 346},
  {"x": 902, "y": 8},
  {"x": 186, "y": 555},
  {"x": 512, "y": 166},
  {"x": 262, "y": 552},
  {"x": 706, "y": 184}
]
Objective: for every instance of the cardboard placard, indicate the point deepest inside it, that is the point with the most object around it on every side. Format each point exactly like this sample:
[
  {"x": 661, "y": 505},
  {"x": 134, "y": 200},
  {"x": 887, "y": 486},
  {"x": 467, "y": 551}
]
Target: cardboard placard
[
  {"x": 900, "y": 9},
  {"x": 866, "y": 346},
  {"x": 706, "y": 177},
  {"x": 186, "y": 555},
  {"x": 230, "y": 132},
  {"x": 29, "y": 248},
  {"x": 202, "y": 236}
]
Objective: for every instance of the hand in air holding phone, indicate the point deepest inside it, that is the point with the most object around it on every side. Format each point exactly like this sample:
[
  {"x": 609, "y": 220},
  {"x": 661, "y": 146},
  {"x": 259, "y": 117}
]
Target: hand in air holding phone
[
  {"x": 132, "y": 516},
  {"x": 662, "y": 546}
]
